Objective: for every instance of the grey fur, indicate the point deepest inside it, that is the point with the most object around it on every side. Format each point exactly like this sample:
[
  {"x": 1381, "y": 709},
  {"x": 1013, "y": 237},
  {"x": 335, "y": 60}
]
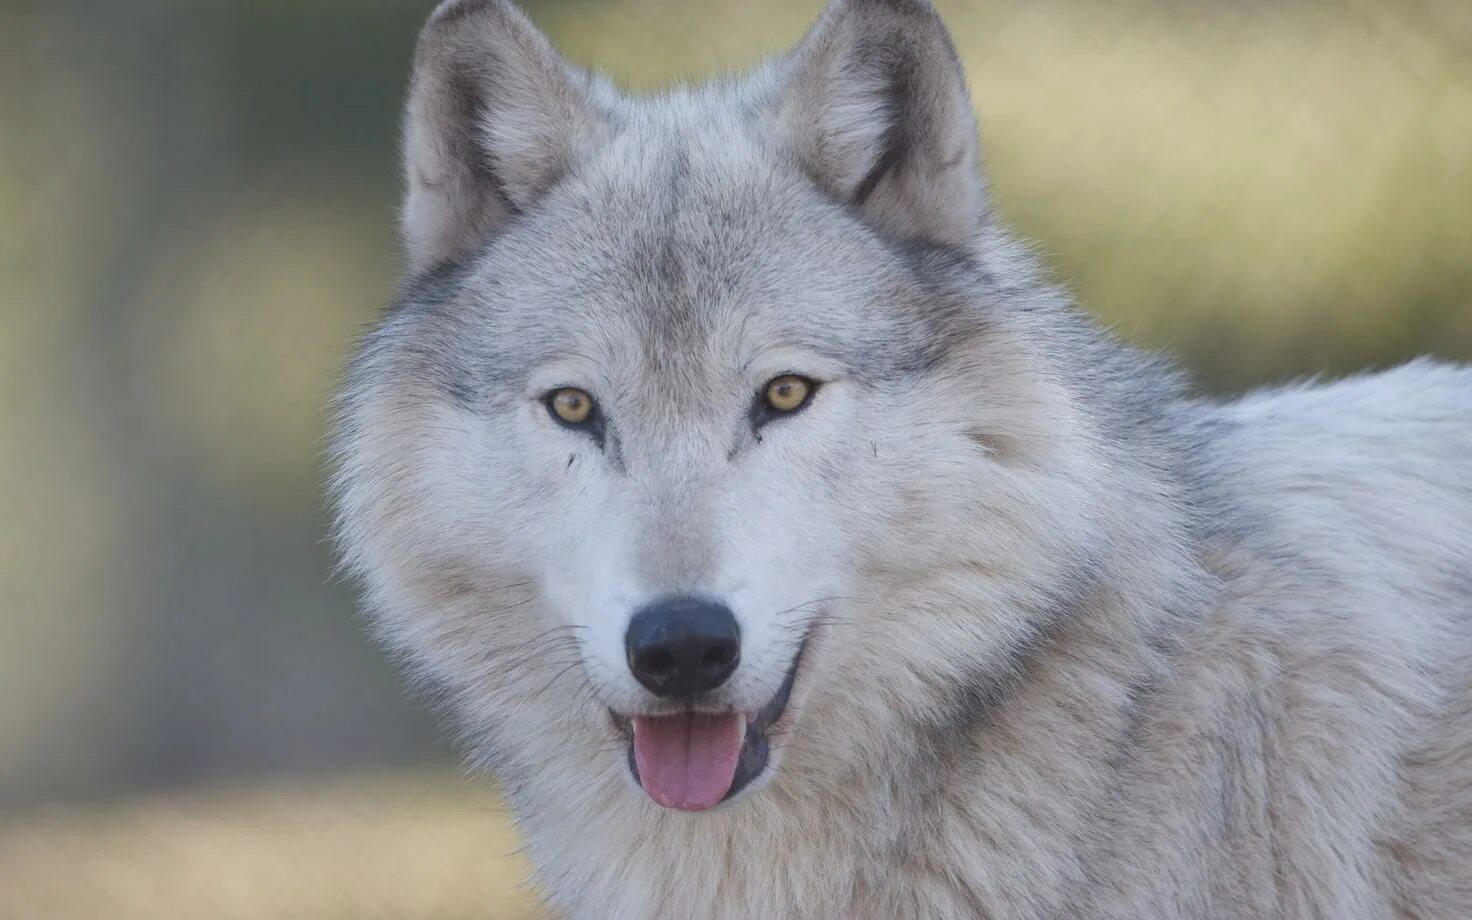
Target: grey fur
[{"x": 1078, "y": 644}]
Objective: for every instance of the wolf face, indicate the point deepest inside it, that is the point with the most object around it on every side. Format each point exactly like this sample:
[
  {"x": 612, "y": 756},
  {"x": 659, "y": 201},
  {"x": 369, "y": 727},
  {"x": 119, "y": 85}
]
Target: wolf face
[{"x": 683, "y": 394}]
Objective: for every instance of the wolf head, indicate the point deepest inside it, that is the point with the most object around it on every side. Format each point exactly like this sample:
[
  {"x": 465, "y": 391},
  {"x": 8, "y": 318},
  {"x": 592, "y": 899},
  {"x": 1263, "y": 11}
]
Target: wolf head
[{"x": 709, "y": 441}]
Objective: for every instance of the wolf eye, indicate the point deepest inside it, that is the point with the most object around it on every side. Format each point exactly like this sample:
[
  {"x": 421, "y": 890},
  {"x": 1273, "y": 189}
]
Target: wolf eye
[
  {"x": 786, "y": 394},
  {"x": 570, "y": 405}
]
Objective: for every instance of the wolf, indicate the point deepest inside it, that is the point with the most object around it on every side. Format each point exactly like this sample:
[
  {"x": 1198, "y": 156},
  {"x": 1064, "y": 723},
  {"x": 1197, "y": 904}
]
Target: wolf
[{"x": 788, "y": 545}]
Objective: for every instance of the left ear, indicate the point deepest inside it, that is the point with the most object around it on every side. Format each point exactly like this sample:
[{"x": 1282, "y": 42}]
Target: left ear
[
  {"x": 495, "y": 118},
  {"x": 875, "y": 108}
]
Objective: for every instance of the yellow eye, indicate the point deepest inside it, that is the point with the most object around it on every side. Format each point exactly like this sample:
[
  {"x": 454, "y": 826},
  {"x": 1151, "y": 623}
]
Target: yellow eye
[
  {"x": 788, "y": 393},
  {"x": 571, "y": 405}
]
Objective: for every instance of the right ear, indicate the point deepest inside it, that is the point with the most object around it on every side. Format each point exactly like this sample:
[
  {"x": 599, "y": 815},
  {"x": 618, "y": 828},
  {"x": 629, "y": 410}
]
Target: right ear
[
  {"x": 495, "y": 117},
  {"x": 875, "y": 108}
]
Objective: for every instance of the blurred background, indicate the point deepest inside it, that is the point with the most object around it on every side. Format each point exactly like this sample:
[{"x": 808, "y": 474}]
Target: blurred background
[{"x": 196, "y": 217}]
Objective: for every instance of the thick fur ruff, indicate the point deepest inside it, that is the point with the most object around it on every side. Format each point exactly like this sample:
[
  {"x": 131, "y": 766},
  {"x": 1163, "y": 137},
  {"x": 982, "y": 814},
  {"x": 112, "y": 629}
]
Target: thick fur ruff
[{"x": 1074, "y": 644}]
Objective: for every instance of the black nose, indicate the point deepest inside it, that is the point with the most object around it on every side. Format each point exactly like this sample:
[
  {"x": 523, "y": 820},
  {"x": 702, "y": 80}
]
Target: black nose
[{"x": 683, "y": 646}]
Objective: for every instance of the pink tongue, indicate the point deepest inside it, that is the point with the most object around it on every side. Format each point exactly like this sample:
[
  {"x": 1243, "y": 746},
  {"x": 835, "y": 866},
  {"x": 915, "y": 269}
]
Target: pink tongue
[{"x": 688, "y": 761}]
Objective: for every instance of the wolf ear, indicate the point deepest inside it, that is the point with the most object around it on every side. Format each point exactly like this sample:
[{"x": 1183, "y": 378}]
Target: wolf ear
[
  {"x": 495, "y": 117},
  {"x": 876, "y": 110}
]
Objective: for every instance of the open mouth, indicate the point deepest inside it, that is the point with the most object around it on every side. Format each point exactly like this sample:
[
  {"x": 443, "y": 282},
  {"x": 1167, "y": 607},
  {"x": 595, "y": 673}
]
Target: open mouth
[{"x": 692, "y": 761}]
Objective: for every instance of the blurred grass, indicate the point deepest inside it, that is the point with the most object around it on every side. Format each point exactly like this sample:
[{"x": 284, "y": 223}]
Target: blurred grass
[
  {"x": 196, "y": 209},
  {"x": 397, "y": 848}
]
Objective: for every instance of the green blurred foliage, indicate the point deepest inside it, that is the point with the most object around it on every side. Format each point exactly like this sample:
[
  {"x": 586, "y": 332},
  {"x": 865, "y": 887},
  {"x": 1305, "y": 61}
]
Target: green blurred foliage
[{"x": 196, "y": 216}]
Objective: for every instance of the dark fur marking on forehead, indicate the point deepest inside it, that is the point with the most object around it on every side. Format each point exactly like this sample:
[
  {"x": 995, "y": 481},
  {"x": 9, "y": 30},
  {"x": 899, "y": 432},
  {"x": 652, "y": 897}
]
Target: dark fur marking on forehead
[{"x": 679, "y": 273}]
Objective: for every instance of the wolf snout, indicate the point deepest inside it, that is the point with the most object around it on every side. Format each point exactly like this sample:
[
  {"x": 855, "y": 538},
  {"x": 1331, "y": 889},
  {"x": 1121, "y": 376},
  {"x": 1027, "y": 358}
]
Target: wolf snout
[{"x": 683, "y": 646}]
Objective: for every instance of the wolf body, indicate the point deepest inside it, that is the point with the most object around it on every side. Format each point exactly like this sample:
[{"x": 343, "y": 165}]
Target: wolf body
[{"x": 1025, "y": 630}]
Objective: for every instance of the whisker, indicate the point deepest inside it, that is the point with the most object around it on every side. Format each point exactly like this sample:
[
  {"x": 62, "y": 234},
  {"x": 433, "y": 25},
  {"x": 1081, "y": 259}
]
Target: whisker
[
  {"x": 558, "y": 676},
  {"x": 514, "y": 584},
  {"x": 543, "y": 651},
  {"x": 810, "y": 603},
  {"x": 503, "y": 609}
]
